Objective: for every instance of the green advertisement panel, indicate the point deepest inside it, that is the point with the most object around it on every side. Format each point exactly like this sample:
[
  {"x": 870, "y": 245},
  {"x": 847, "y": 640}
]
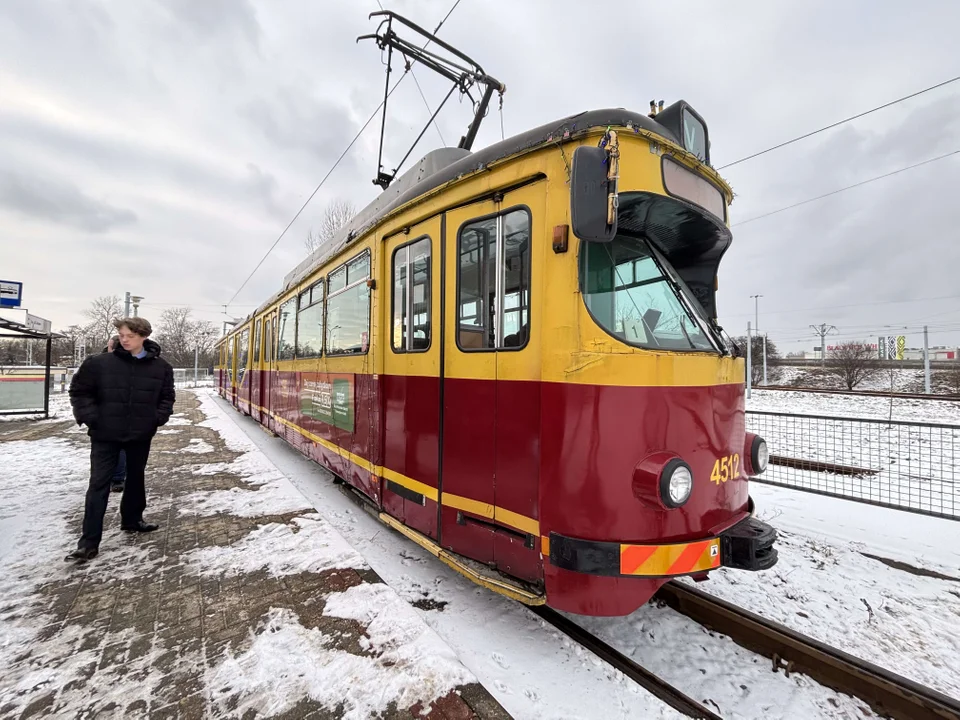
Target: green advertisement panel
[{"x": 328, "y": 397}]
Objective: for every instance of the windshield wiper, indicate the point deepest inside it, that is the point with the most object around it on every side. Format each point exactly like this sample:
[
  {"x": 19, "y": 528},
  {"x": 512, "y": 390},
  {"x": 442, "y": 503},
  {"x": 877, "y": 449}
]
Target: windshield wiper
[
  {"x": 711, "y": 326},
  {"x": 683, "y": 329}
]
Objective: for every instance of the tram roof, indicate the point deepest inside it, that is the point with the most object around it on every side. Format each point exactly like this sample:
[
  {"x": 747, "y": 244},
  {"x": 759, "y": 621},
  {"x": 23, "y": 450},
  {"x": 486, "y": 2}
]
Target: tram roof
[{"x": 445, "y": 164}]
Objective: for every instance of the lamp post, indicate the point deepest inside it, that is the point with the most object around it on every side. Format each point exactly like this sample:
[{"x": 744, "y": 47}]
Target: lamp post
[{"x": 135, "y": 299}]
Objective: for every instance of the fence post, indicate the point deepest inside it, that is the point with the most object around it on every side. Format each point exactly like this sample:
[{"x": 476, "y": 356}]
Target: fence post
[
  {"x": 46, "y": 379},
  {"x": 749, "y": 358},
  {"x": 196, "y": 363},
  {"x": 926, "y": 362}
]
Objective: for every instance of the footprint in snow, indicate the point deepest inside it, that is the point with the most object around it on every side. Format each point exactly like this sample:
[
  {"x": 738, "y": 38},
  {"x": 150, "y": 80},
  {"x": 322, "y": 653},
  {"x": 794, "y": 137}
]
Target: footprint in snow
[
  {"x": 500, "y": 660},
  {"x": 532, "y": 695}
]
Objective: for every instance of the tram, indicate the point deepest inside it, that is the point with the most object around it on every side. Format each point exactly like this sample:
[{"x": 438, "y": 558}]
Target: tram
[{"x": 512, "y": 357}]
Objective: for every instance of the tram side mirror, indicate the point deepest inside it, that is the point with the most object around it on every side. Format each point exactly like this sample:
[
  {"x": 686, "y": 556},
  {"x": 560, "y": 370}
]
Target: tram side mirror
[{"x": 588, "y": 196}]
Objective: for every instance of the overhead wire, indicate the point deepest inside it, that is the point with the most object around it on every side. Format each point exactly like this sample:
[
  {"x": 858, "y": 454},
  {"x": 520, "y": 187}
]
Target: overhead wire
[
  {"x": 840, "y": 122},
  {"x": 335, "y": 165},
  {"x": 848, "y": 187}
]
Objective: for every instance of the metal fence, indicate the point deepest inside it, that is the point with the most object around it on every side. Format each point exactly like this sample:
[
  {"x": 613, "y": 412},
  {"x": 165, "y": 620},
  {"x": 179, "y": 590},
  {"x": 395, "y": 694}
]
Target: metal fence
[
  {"x": 182, "y": 377},
  {"x": 188, "y": 378},
  {"x": 903, "y": 465}
]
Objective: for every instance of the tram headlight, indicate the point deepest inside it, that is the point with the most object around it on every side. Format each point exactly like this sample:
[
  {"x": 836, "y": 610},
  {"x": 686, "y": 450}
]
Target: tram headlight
[
  {"x": 676, "y": 483},
  {"x": 758, "y": 453}
]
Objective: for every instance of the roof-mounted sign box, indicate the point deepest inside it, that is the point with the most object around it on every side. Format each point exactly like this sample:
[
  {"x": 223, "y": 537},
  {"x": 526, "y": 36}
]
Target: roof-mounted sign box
[{"x": 10, "y": 293}]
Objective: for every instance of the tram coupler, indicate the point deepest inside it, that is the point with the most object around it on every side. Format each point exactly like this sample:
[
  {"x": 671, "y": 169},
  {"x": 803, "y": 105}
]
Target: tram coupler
[{"x": 748, "y": 545}]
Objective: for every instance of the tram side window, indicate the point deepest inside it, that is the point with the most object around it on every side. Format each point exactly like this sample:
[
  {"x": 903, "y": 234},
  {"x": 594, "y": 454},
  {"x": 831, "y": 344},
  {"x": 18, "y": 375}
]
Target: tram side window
[
  {"x": 411, "y": 297},
  {"x": 243, "y": 354},
  {"x": 288, "y": 329},
  {"x": 310, "y": 322},
  {"x": 485, "y": 248},
  {"x": 348, "y": 308},
  {"x": 257, "y": 339}
]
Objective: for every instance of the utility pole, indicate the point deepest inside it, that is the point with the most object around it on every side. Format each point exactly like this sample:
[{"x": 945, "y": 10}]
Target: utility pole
[
  {"x": 749, "y": 358},
  {"x": 196, "y": 363},
  {"x": 756, "y": 312},
  {"x": 926, "y": 362},
  {"x": 756, "y": 327},
  {"x": 126, "y": 306},
  {"x": 822, "y": 330},
  {"x": 764, "y": 358}
]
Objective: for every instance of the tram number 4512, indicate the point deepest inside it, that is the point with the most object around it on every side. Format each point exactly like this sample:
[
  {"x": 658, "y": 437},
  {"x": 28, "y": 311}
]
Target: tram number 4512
[{"x": 726, "y": 468}]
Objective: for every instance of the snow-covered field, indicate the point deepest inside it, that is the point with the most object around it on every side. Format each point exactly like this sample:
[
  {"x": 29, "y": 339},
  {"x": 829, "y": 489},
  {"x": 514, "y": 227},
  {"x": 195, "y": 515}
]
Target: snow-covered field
[
  {"x": 915, "y": 466},
  {"x": 889, "y": 380},
  {"x": 821, "y": 586}
]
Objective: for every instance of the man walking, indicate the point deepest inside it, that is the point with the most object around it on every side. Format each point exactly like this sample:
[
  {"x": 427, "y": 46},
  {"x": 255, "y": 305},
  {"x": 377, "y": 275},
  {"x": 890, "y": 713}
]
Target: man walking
[{"x": 122, "y": 397}]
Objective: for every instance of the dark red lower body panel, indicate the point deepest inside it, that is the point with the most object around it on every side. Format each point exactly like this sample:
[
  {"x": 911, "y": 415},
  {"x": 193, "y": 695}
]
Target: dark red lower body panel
[{"x": 560, "y": 457}]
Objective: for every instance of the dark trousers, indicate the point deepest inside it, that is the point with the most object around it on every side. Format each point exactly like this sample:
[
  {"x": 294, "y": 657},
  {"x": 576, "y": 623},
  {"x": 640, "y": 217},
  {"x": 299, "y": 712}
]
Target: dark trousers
[
  {"x": 103, "y": 464},
  {"x": 120, "y": 473}
]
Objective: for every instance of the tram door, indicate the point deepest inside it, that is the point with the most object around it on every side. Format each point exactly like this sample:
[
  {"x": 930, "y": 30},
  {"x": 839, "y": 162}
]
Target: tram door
[
  {"x": 491, "y": 390},
  {"x": 411, "y": 379},
  {"x": 256, "y": 372},
  {"x": 266, "y": 369}
]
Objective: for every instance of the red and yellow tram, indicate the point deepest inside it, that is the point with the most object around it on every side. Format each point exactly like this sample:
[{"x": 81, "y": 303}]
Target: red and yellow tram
[{"x": 512, "y": 356}]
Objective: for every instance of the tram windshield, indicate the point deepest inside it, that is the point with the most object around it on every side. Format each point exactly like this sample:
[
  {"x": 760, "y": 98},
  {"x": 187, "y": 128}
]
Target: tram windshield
[{"x": 634, "y": 294}]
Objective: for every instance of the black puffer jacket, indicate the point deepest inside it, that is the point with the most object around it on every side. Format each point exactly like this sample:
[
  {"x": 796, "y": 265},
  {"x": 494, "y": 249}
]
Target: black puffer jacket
[{"x": 120, "y": 397}]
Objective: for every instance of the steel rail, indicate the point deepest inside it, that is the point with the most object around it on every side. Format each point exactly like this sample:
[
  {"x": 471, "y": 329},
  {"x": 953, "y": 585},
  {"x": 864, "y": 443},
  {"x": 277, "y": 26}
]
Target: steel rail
[
  {"x": 640, "y": 675},
  {"x": 886, "y": 692}
]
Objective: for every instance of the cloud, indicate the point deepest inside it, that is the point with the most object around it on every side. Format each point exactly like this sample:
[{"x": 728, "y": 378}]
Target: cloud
[
  {"x": 169, "y": 143},
  {"x": 59, "y": 202},
  {"x": 213, "y": 18}
]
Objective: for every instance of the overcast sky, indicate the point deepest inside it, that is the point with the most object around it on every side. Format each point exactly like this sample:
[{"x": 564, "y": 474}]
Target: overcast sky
[{"x": 160, "y": 147}]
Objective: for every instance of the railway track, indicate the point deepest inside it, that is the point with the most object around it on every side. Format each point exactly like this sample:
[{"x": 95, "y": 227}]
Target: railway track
[
  {"x": 864, "y": 393},
  {"x": 654, "y": 685},
  {"x": 887, "y": 693}
]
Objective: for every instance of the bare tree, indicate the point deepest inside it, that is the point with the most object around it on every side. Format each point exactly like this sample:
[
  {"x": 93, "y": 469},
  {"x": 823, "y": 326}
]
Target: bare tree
[
  {"x": 337, "y": 214},
  {"x": 101, "y": 313},
  {"x": 180, "y": 336},
  {"x": 853, "y": 362},
  {"x": 774, "y": 371}
]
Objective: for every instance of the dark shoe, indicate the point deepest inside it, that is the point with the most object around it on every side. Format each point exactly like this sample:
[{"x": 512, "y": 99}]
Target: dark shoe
[
  {"x": 140, "y": 526},
  {"x": 81, "y": 555},
  {"x": 116, "y": 488}
]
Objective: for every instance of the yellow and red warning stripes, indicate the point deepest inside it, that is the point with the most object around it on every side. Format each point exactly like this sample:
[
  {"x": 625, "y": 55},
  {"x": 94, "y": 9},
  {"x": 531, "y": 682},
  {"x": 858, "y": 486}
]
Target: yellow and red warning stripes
[{"x": 666, "y": 560}]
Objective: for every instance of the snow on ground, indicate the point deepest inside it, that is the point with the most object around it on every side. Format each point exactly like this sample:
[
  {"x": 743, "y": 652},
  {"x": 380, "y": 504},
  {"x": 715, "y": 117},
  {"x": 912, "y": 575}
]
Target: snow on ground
[
  {"x": 536, "y": 672},
  {"x": 905, "y": 623},
  {"x": 305, "y": 544},
  {"x": 825, "y": 587},
  {"x": 287, "y": 662},
  {"x": 860, "y": 406},
  {"x": 270, "y": 491},
  {"x": 198, "y": 446},
  {"x": 905, "y": 380},
  {"x": 42, "y": 483}
]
